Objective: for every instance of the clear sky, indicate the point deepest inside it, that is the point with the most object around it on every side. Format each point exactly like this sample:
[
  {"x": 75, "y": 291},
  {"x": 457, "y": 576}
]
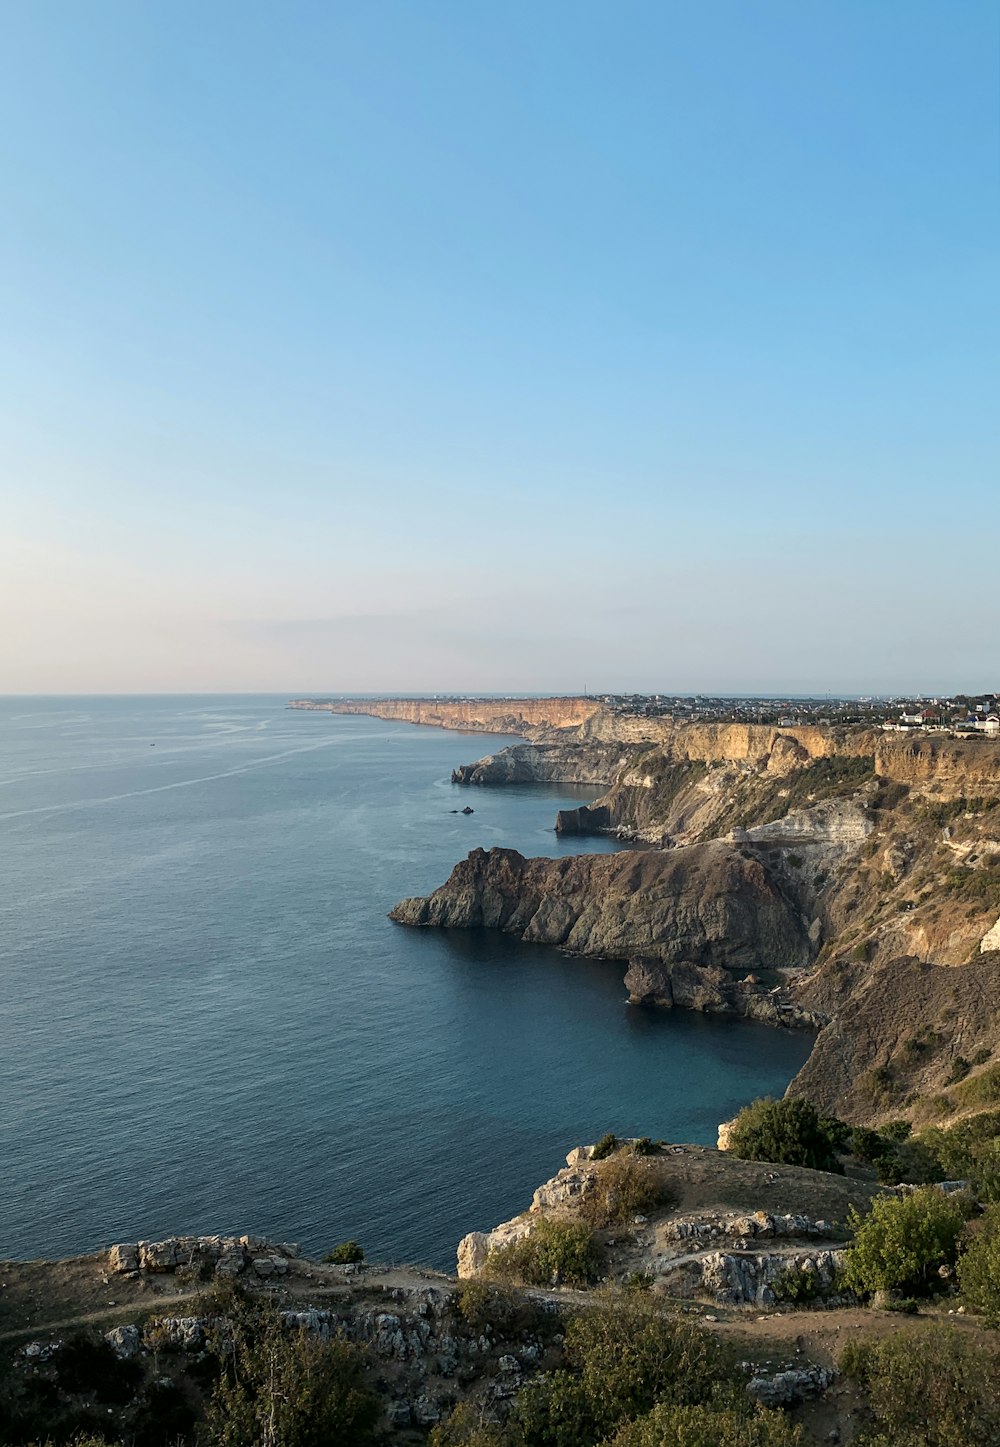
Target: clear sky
[{"x": 453, "y": 345}]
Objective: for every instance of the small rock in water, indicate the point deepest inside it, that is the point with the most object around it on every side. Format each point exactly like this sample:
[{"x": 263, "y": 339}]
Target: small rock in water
[{"x": 467, "y": 810}]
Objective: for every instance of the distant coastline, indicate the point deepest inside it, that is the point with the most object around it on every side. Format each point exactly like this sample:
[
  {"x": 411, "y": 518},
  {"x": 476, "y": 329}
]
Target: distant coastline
[{"x": 526, "y": 716}]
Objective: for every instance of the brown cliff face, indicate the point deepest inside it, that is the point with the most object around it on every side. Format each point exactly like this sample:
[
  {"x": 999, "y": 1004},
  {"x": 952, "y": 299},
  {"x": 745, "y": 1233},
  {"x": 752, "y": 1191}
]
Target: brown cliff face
[
  {"x": 710, "y": 904},
  {"x": 485, "y": 715}
]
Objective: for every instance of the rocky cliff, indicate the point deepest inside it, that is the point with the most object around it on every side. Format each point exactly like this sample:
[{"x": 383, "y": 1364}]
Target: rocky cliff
[
  {"x": 480, "y": 715},
  {"x": 801, "y": 847},
  {"x": 545, "y": 763},
  {"x": 685, "y": 781},
  {"x": 712, "y": 904}
]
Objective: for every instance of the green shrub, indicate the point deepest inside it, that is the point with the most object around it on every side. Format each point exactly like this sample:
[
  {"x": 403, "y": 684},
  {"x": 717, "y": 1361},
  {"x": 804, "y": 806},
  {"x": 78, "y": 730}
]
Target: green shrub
[
  {"x": 669, "y": 1426},
  {"x": 789, "y": 1132},
  {"x": 623, "y": 1187},
  {"x": 554, "y": 1253},
  {"x": 485, "y": 1305},
  {"x": 904, "y": 1241},
  {"x": 465, "y": 1427},
  {"x": 979, "y": 1266},
  {"x": 645, "y": 1147},
  {"x": 277, "y": 1386},
  {"x": 605, "y": 1147},
  {"x": 930, "y": 1387},
  {"x": 879, "y": 1083},
  {"x": 911, "y": 1161},
  {"x": 620, "y": 1361},
  {"x": 797, "y": 1284},
  {"x": 345, "y": 1254}
]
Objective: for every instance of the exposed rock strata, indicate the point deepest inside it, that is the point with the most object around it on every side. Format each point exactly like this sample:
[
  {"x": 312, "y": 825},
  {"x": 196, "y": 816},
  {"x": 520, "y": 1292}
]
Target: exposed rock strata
[{"x": 712, "y": 904}]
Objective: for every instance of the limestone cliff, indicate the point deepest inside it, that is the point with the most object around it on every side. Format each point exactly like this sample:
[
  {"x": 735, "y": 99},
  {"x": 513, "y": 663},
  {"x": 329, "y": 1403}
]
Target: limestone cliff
[
  {"x": 545, "y": 763},
  {"x": 712, "y": 904},
  {"x": 481, "y": 715}
]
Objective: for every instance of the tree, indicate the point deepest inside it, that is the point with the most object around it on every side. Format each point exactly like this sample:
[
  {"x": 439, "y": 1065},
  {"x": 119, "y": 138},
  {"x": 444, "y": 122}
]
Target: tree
[
  {"x": 928, "y": 1388},
  {"x": 620, "y": 1362},
  {"x": 979, "y": 1266},
  {"x": 790, "y": 1132},
  {"x": 282, "y": 1388},
  {"x": 903, "y": 1243}
]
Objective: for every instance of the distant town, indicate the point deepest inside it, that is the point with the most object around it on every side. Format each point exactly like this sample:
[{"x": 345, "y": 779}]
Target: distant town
[{"x": 959, "y": 714}]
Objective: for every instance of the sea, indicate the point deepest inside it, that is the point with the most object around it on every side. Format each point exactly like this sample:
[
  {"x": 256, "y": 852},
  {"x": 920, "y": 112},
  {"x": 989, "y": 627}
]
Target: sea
[{"x": 208, "y": 1024}]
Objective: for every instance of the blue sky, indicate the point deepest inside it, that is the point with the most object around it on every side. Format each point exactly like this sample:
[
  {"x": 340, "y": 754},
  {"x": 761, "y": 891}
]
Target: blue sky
[{"x": 436, "y": 345}]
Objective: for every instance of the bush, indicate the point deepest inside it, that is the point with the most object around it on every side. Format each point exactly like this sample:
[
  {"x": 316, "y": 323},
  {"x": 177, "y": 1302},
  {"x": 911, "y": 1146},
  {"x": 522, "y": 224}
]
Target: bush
[
  {"x": 621, "y": 1361},
  {"x": 668, "y": 1426},
  {"x": 466, "y": 1428},
  {"x": 928, "y": 1388},
  {"x": 904, "y": 1241},
  {"x": 623, "y": 1187},
  {"x": 605, "y": 1147},
  {"x": 979, "y": 1266},
  {"x": 345, "y": 1254},
  {"x": 485, "y": 1305},
  {"x": 796, "y": 1283},
  {"x": 789, "y": 1132},
  {"x": 554, "y": 1253},
  {"x": 277, "y": 1386}
]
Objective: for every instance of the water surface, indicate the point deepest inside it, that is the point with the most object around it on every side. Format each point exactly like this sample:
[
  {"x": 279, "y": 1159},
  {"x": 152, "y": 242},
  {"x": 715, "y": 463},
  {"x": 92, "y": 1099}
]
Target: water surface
[{"x": 207, "y": 1022}]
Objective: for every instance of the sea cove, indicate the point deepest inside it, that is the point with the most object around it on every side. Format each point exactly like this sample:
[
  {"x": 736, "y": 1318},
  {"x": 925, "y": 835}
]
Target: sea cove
[{"x": 210, "y": 1023}]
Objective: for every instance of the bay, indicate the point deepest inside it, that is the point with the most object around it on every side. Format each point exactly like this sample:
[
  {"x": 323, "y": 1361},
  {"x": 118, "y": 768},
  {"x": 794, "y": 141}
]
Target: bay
[{"x": 207, "y": 1022}]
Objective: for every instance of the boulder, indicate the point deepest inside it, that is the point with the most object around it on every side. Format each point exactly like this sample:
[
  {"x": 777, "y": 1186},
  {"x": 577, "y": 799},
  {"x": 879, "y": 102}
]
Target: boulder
[
  {"x": 124, "y": 1257},
  {"x": 124, "y": 1341}
]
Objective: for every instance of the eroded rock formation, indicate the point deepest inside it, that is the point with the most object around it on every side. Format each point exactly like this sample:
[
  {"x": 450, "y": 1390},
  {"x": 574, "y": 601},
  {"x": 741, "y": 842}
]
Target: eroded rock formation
[{"x": 711, "y": 904}]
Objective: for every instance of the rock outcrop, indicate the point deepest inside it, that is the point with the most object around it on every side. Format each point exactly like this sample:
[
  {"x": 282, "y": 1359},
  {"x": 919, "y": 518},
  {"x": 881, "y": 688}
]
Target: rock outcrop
[
  {"x": 711, "y": 904},
  {"x": 692, "y": 1246},
  {"x": 225, "y": 1255},
  {"x": 712, "y": 990},
  {"x": 544, "y": 763}
]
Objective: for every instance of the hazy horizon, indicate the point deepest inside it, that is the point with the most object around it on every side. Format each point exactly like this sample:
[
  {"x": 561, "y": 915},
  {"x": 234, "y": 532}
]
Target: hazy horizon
[{"x": 445, "y": 349}]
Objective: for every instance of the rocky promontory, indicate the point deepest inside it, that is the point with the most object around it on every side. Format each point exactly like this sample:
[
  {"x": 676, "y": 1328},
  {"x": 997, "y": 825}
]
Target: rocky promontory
[{"x": 713, "y": 904}]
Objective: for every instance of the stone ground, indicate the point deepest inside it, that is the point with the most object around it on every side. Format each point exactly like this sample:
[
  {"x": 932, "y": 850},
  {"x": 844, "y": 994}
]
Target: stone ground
[{"x": 43, "y": 1300}]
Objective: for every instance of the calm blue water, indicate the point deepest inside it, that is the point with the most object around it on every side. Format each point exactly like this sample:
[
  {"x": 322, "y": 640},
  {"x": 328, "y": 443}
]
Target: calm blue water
[{"x": 208, "y": 1023}]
